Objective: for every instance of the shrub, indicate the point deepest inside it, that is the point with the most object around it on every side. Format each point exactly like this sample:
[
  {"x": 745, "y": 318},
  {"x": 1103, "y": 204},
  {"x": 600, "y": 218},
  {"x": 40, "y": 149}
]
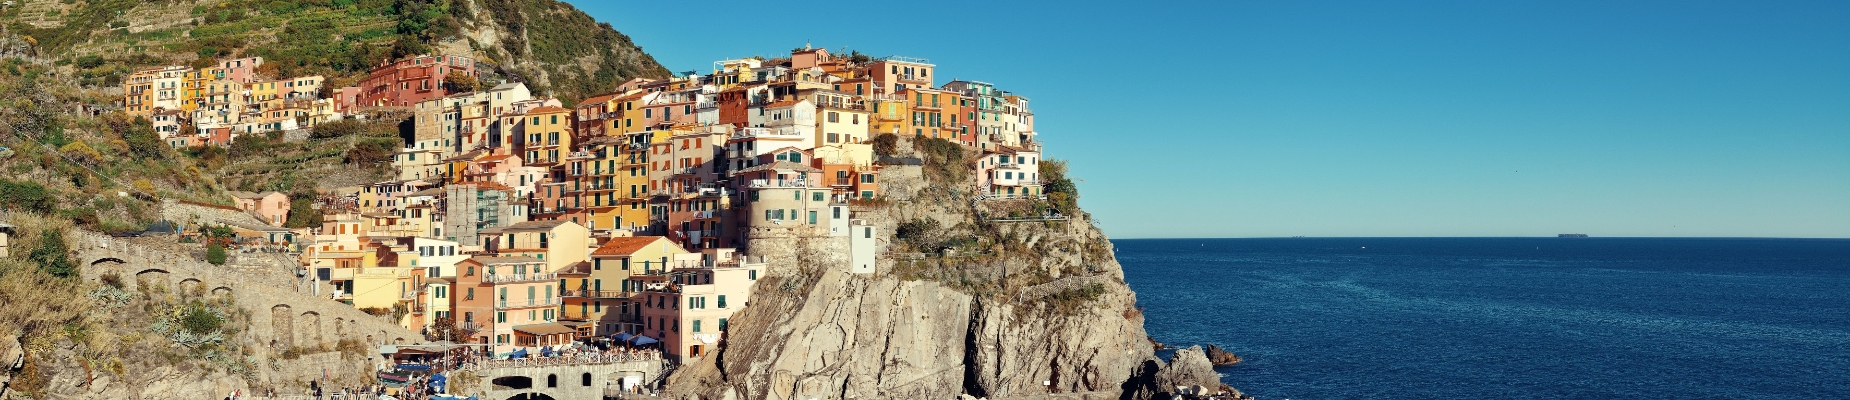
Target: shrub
[
  {"x": 885, "y": 144},
  {"x": 915, "y": 229},
  {"x": 53, "y": 256},
  {"x": 373, "y": 151},
  {"x": 199, "y": 320},
  {"x": 25, "y": 196},
  {"x": 215, "y": 254},
  {"x": 334, "y": 129},
  {"x": 302, "y": 213}
]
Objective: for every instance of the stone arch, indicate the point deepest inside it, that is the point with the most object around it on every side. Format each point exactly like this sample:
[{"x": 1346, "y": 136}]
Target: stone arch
[
  {"x": 282, "y": 326},
  {"x": 192, "y": 287},
  {"x": 512, "y": 382},
  {"x": 310, "y": 328},
  {"x": 222, "y": 291},
  {"x": 398, "y": 340},
  {"x": 152, "y": 278},
  {"x": 530, "y": 396},
  {"x": 340, "y": 329}
]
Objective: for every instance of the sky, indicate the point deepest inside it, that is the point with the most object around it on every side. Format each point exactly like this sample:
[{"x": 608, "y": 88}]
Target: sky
[{"x": 1369, "y": 118}]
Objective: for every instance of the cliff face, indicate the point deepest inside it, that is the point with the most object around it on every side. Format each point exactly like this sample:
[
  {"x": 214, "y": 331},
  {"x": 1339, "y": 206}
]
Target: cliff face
[{"x": 1013, "y": 309}]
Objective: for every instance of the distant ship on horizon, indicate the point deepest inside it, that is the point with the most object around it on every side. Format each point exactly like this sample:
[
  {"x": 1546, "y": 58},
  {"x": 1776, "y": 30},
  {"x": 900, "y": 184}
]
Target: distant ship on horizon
[{"x": 1573, "y": 235}]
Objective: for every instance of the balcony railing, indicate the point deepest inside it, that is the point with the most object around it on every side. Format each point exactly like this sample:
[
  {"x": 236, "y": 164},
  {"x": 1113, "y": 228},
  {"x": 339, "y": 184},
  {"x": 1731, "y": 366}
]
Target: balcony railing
[
  {"x": 504, "y": 304},
  {"x": 779, "y": 183},
  {"x": 597, "y": 294},
  {"x": 518, "y": 278}
]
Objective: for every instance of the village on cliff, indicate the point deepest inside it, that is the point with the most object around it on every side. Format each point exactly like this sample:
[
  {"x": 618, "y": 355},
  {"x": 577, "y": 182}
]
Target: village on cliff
[{"x": 524, "y": 226}]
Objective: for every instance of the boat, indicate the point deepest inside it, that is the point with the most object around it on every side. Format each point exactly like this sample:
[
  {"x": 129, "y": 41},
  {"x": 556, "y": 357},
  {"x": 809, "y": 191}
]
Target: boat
[{"x": 1573, "y": 235}]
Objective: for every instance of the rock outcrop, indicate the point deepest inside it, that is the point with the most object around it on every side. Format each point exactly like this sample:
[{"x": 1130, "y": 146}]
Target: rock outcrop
[
  {"x": 1023, "y": 309},
  {"x": 1221, "y": 357}
]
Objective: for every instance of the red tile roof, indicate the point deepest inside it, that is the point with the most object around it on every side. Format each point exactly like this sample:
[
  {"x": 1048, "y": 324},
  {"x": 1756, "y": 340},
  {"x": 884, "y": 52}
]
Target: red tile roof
[{"x": 624, "y": 246}]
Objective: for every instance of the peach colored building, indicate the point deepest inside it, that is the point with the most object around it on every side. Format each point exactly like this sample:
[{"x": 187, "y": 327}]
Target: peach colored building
[
  {"x": 273, "y": 207},
  {"x": 508, "y": 302},
  {"x": 687, "y": 306}
]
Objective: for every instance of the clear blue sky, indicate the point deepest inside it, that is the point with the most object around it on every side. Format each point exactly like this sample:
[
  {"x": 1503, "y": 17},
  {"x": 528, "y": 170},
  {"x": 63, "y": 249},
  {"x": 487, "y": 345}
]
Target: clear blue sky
[{"x": 1370, "y": 118}]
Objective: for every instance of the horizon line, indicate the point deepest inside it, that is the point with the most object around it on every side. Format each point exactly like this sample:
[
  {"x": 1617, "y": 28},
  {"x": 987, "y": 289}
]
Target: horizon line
[{"x": 1492, "y": 237}]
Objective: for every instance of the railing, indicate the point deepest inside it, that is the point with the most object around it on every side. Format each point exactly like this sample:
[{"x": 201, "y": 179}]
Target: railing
[
  {"x": 778, "y": 183},
  {"x": 517, "y": 278},
  {"x": 597, "y": 294},
  {"x": 504, "y": 304}
]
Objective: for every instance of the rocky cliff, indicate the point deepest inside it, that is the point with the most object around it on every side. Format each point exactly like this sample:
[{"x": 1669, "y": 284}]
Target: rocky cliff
[{"x": 966, "y": 301}]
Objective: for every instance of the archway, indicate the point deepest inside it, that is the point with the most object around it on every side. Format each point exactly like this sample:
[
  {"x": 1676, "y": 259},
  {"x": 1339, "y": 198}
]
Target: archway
[
  {"x": 515, "y": 382},
  {"x": 282, "y": 327},
  {"x": 224, "y": 291},
  {"x": 310, "y": 329},
  {"x": 152, "y": 278},
  {"x": 107, "y": 259},
  {"x": 530, "y": 396},
  {"x": 192, "y": 287}
]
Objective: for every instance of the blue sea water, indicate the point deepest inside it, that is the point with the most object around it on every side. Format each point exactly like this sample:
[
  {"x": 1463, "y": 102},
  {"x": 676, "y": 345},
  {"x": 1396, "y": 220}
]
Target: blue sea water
[{"x": 1492, "y": 318}]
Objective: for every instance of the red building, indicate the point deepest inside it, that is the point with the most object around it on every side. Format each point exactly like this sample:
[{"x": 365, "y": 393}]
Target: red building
[{"x": 411, "y": 80}]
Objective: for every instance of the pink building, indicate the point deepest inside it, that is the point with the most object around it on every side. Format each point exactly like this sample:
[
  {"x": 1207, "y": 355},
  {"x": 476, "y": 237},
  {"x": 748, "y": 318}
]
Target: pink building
[
  {"x": 409, "y": 81},
  {"x": 242, "y": 70},
  {"x": 272, "y": 207}
]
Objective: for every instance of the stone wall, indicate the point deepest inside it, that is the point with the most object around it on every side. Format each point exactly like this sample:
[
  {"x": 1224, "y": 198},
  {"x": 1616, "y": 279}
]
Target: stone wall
[{"x": 279, "y": 319}]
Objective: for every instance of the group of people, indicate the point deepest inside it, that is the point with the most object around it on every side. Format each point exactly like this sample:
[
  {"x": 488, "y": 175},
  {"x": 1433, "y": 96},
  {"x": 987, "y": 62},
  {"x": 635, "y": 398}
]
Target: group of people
[{"x": 571, "y": 356}]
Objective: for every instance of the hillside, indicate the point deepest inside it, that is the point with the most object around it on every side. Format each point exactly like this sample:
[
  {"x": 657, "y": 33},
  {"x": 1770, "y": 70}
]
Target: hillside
[{"x": 550, "y": 45}]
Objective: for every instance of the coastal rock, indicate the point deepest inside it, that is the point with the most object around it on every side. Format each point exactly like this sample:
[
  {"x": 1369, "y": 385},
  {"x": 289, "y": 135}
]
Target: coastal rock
[
  {"x": 1188, "y": 368},
  {"x": 1045, "y": 311},
  {"x": 1221, "y": 357}
]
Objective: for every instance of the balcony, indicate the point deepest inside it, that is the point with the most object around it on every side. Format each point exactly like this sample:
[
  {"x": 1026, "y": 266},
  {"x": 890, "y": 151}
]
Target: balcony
[
  {"x": 520, "y": 278},
  {"x": 778, "y": 183},
  {"x": 914, "y": 78},
  {"x": 597, "y": 294},
  {"x": 504, "y": 304}
]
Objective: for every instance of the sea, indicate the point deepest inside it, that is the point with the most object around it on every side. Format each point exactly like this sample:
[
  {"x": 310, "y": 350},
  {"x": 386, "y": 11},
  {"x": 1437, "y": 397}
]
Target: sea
[{"x": 1506, "y": 318}]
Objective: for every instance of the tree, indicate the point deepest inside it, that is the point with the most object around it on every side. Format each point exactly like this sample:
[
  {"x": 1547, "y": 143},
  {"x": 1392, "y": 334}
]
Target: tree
[
  {"x": 82, "y": 153},
  {"x": 52, "y": 256},
  {"x": 302, "y": 213},
  {"x": 461, "y": 82},
  {"x": 215, "y": 254},
  {"x": 142, "y": 141},
  {"x": 25, "y": 196}
]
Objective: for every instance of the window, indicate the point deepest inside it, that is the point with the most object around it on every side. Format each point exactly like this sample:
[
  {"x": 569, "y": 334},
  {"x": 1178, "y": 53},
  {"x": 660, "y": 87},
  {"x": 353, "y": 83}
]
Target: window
[
  {"x": 812, "y": 217},
  {"x": 500, "y": 317},
  {"x": 817, "y": 196},
  {"x": 696, "y": 326},
  {"x": 722, "y": 321},
  {"x": 867, "y": 178},
  {"x": 751, "y": 275}
]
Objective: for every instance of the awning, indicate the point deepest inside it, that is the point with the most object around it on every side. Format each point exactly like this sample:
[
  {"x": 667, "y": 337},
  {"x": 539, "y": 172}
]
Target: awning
[
  {"x": 623, "y": 337},
  {"x": 640, "y": 340},
  {"x": 545, "y": 329}
]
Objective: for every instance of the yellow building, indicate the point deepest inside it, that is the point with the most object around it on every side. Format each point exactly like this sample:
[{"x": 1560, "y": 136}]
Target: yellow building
[
  {"x": 548, "y": 134},
  {"x": 889, "y": 115},
  {"x": 195, "y": 87},
  {"x": 558, "y": 243},
  {"x": 600, "y": 295}
]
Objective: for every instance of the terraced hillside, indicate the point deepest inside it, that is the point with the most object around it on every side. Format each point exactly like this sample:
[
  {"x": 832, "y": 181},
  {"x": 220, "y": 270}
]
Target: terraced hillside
[{"x": 555, "y": 48}]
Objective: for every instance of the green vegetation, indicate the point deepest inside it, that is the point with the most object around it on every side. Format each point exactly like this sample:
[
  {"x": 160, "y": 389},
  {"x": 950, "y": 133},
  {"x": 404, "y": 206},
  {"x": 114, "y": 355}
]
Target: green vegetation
[
  {"x": 302, "y": 213},
  {"x": 200, "y": 320},
  {"x": 945, "y": 161},
  {"x": 215, "y": 254},
  {"x": 52, "y": 256}
]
